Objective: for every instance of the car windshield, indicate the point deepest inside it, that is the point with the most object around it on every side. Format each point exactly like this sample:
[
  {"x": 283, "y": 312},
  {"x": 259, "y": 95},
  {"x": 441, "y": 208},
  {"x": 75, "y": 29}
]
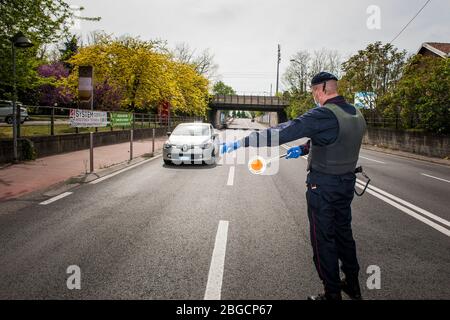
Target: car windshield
[{"x": 191, "y": 130}]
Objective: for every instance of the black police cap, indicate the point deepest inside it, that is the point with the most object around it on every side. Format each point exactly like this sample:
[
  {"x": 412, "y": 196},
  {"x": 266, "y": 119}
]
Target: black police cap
[{"x": 322, "y": 77}]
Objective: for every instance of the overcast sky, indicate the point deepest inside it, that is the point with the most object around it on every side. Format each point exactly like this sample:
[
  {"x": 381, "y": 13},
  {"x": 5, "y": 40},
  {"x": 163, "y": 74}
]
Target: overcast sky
[{"x": 243, "y": 34}]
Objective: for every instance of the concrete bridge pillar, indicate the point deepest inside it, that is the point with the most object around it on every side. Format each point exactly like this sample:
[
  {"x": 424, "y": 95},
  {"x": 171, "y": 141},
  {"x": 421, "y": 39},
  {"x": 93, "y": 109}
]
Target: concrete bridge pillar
[
  {"x": 282, "y": 116},
  {"x": 212, "y": 115}
]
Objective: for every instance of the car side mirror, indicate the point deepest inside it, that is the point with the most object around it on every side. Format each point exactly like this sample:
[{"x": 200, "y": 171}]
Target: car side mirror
[{"x": 169, "y": 133}]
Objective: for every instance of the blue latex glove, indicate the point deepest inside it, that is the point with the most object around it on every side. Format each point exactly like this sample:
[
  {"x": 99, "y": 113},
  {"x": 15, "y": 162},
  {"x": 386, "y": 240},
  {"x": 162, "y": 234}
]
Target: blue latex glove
[
  {"x": 294, "y": 152},
  {"x": 230, "y": 146}
]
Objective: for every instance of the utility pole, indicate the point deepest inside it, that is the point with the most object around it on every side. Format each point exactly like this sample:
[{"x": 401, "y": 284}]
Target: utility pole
[{"x": 278, "y": 68}]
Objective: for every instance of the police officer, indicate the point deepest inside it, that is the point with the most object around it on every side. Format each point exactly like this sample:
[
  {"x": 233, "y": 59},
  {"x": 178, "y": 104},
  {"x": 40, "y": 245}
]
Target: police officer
[{"x": 336, "y": 129}]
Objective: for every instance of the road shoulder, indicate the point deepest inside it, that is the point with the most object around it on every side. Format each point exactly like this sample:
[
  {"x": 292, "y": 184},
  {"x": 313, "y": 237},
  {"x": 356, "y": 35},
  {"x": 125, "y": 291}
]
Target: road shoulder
[{"x": 407, "y": 155}]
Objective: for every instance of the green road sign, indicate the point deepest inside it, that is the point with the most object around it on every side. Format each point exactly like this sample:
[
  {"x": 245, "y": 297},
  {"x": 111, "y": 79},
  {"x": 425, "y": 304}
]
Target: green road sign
[{"x": 119, "y": 119}]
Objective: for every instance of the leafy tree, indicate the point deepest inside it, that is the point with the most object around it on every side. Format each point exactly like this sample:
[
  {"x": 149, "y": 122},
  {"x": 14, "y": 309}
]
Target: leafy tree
[
  {"x": 223, "y": 89},
  {"x": 43, "y": 22},
  {"x": 422, "y": 96},
  {"x": 49, "y": 92},
  {"x": 107, "y": 97},
  {"x": 145, "y": 76},
  {"x": 304, "y": 65},
  {"x": 203, "y": 63},
  {"x": 299, "y": 103},
  {"x": 376, "y": 69},
  {"x": 69, "y": 50}
]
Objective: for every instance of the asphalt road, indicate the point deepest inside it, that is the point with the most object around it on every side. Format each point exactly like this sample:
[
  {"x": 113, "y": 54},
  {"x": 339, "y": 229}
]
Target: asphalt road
[{"x": 157, "y": 232}]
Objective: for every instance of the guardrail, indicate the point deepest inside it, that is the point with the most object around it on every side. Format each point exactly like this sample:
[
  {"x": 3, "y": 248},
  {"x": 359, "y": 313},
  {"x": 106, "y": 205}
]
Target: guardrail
[{"x": 249, "y": 100}]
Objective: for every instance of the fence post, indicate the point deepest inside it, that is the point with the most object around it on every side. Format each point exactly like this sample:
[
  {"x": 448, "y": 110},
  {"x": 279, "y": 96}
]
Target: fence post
[
  {"x": 131, "y": 144},
  {"x": 52, "y": 122},
  {"x": 153, "y": 142},
  {"x": 91, "y": 151}
]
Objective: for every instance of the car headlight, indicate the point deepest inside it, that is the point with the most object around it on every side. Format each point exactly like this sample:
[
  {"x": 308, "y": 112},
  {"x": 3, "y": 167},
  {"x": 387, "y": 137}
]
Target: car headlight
[
  {"x": 206, "y": 145},
  {"x": 167, "y": 145}
]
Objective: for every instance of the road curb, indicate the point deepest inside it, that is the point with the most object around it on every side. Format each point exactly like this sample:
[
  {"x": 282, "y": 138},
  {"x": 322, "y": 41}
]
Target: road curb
[{"x": 89, "y": 177}]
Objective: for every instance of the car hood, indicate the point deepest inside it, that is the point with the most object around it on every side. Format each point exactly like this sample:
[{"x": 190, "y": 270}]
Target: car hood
[{"x": 190, "y": 140}]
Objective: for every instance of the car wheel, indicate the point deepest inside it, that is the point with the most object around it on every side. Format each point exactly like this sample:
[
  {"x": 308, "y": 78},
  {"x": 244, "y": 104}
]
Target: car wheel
[
  {"x": 8, "y": 120},
  {"x": 167, "y": 162},
  {"x": 213, "y": 159}
]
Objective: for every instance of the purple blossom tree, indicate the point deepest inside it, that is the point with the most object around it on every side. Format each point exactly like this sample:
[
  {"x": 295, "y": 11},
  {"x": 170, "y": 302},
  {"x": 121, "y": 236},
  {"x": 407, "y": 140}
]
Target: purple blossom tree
[
  {"x": 49, "y": 93},
  {"x": 107, "y": 97}
]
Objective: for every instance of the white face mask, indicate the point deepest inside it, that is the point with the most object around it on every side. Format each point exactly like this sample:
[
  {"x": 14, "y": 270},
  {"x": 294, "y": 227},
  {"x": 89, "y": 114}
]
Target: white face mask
[{"x": 316, "y": 102}]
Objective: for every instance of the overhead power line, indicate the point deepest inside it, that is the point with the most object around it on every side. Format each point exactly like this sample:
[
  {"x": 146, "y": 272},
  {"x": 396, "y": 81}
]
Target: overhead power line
[{"x": 410, "y": 21}]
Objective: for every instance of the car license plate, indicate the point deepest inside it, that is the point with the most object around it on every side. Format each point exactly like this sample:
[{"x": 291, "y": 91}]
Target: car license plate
[{"x": 185, "y": 158}]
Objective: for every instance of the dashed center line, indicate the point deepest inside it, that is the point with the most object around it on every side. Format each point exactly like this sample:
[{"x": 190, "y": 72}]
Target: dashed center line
[
  {"x": 62, "y": 195},
  {"x": 230, "y": 181},
  {"x": 215, "y": 276}
]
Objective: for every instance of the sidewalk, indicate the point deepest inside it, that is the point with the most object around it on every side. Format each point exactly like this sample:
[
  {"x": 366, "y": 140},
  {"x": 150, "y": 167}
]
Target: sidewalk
[{"x": 19, "y": 179}]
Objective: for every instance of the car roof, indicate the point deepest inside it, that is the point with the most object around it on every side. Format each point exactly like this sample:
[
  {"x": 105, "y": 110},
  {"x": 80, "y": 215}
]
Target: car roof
[{"x": 194, "y": 124}]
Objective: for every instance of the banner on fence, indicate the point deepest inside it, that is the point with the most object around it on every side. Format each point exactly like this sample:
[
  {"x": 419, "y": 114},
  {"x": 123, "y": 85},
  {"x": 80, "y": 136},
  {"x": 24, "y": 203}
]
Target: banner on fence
[
  {"x": 88, "y": 119},
  {"x": 120, "y": 119}
]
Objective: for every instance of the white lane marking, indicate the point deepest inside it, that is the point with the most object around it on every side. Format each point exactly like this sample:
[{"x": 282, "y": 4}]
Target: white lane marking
[
  {"x": 62, "y": 195},
  {"x": 407, "y": 204},
  {"x": 407, "y": 211},
  {"x": 230, "y": 181},
  {"x": 123, "y": 170},
  {"x": 427, "y": 175},
  {"x": 372, "y": 160},
  {"x": 215, "y": 276}
]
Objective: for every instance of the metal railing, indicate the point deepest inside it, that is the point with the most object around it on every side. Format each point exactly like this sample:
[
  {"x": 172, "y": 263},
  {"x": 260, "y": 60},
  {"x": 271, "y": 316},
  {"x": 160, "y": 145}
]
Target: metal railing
[
  {"x": 45, "y": 121},
  {"x": 249, "y": 100}
]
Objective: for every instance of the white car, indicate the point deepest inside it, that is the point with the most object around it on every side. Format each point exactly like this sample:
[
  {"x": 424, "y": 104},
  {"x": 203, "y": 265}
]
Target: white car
[
  {"x": 6, "y": 112},
  {"x": 191, "y": 143}
]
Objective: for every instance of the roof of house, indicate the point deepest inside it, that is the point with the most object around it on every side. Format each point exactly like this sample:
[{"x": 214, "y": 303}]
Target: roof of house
[{"x": 438, "y": 48}]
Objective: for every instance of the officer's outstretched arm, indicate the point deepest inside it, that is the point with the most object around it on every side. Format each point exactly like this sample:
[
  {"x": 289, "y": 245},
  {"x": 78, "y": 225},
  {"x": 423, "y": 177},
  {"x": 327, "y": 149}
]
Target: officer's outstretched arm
[{"x": 304, "y": 126}]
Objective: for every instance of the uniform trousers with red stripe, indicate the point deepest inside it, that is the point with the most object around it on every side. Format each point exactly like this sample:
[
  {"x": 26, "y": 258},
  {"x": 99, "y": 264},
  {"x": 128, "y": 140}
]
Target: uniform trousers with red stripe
[{"x": 330, "y": 217}]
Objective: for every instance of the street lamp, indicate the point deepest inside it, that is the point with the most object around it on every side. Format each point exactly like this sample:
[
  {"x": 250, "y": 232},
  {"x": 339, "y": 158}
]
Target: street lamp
[{"x": 18, "y": 41}]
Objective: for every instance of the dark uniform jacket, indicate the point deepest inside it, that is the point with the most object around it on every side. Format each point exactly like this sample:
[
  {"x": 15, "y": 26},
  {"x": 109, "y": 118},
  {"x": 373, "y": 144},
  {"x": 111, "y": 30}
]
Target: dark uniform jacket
[{"x": 320, "y": 125}]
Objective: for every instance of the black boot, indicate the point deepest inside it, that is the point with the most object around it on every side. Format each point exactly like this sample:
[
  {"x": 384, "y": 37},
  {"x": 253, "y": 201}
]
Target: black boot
[
  {"x": 352, "y": 289},
  {"x": 326, "y": 296}
]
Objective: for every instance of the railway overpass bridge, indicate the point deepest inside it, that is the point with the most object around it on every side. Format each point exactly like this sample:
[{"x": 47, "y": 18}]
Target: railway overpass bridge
[{"x": 219, "y": 103}]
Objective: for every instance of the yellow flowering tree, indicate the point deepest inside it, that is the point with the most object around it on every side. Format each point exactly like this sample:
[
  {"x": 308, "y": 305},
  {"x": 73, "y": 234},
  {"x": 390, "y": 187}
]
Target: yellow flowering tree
[{"x": 144, "y": 75}]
